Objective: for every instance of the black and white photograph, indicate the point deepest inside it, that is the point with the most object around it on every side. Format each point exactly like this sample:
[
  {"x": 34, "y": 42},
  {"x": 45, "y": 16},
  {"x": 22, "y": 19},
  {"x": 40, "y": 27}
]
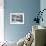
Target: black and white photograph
[{"x": 16, "y": 18}]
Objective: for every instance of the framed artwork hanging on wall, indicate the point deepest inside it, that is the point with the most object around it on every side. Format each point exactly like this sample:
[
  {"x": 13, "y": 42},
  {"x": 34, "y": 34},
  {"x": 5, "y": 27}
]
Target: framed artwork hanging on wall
[{"x": 16, "y": 18}]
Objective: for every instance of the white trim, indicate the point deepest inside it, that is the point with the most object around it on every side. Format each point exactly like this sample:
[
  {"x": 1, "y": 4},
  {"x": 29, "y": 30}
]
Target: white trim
[
  {"x": 1, "y": 21},
  {"x": 1, "y": 25}
]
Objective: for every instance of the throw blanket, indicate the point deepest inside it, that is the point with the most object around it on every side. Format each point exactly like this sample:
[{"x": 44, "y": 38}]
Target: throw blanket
[{"x": 26, "y": 41}]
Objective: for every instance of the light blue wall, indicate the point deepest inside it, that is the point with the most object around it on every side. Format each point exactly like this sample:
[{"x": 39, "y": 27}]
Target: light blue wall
[
  {"x": 43, "y": 6},
  {"x": 29, "y": 8}
]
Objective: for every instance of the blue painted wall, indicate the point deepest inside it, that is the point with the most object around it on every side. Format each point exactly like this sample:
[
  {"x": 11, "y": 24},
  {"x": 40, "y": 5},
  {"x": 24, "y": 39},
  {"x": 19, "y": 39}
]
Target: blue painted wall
[
  {"x": 29, "y": 8},
  {"x": 43, "y": 6}
]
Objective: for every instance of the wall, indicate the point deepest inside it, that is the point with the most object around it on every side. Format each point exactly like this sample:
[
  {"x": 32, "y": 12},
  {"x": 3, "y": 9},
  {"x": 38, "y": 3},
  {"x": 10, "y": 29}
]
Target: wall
[
  {"x": 43, "y": 6},
  {"x": 29, "y": 8}
]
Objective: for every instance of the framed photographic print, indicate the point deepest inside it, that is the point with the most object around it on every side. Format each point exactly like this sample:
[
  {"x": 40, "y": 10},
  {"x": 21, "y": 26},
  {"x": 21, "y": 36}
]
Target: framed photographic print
[{"x": 16, "y": 18}]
